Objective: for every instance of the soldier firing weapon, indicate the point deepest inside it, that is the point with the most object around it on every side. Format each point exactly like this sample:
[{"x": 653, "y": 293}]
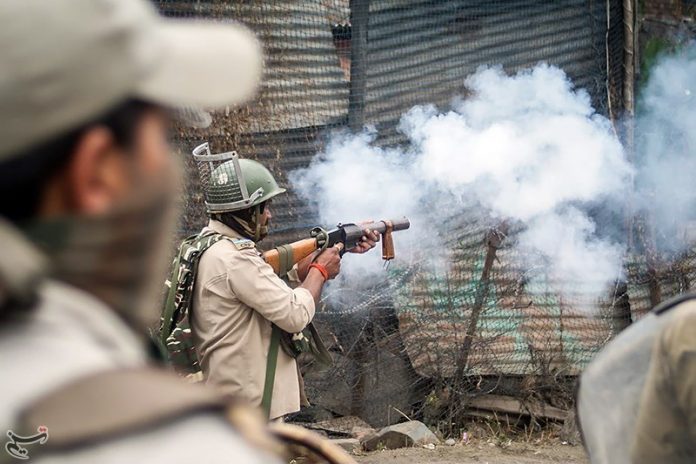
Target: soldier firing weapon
[{"x": 278, "y": 318}]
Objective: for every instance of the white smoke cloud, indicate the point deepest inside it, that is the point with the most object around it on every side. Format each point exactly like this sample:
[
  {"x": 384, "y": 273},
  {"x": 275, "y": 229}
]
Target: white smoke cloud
[
  {"x": 666, "y": 144},
  {"x": 527, "y": 148}
]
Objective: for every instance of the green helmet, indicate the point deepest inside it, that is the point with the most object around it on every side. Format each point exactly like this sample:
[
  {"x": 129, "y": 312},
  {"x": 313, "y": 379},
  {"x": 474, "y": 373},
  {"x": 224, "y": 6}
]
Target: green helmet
[{"x": 236, "y": 184}]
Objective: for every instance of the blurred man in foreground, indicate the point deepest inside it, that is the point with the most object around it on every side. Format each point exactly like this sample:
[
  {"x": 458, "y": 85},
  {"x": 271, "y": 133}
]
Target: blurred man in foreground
[{"x": 85, "y": 212}]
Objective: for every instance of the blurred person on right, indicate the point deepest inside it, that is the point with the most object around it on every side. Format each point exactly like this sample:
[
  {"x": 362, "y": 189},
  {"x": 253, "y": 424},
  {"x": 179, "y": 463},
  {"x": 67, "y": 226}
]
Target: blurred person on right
[
  {"x": 636, "y": 400},
  {"x": 86, "y": 208},
  {"x": 665, "y": 429}
]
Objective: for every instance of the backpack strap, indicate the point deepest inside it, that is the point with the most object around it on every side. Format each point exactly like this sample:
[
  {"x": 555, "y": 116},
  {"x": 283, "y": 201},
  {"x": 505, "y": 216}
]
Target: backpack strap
[
  {"x": 189, "y": 254},
  {"x": 170, "y": 305},
  {"x": 271, "y": 364},
  {"x": 114, "y": 403}
]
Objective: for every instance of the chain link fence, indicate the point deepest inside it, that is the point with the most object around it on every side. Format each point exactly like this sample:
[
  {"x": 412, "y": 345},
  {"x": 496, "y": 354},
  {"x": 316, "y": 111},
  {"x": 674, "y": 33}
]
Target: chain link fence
[{"x": 420, "y": 343}]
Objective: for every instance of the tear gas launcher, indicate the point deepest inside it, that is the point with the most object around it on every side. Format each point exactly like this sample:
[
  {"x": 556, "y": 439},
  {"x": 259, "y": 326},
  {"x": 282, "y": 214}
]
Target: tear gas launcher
[{"x": 284, "y": 257}]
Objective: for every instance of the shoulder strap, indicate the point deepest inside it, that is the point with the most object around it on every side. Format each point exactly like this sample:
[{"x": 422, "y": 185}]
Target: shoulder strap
[
  {"x": 673, "y": 302},
  {"x": 318, "y": 349},
  {"x": 286, "y": 259},
  {"x": 271, "y": 364},
  {"x": 114, "y": 403},
  {"x": 242, "y": 243}
]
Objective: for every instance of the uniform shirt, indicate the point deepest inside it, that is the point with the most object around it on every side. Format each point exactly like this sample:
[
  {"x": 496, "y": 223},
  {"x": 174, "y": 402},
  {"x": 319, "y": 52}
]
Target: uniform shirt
[
  {"x": 666, "y": 426},
  {"x": 236, "y": 297},
  {"x": 69, "y": 335}
]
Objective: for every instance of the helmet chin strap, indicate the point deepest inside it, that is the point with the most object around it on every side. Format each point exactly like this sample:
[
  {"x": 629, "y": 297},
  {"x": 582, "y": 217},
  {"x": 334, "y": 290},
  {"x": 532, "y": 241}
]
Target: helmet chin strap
[{"x": 257, "y": 219}]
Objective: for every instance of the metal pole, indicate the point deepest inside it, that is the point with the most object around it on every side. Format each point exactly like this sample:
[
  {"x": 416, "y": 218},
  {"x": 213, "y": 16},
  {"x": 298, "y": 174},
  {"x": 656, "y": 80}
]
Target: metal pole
[{"x": 359, "y": 14}]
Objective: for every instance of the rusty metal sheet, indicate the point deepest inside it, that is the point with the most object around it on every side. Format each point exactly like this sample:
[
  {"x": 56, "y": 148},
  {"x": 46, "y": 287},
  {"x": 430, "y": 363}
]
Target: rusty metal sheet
[{"x": 303, "y": 83}]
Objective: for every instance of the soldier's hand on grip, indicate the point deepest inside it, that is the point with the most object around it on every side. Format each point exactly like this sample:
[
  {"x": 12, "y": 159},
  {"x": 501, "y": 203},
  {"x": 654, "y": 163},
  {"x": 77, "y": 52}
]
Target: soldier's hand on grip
[
  {"x": 367, "y": 242},
  {"x": 331, "y": 260}
]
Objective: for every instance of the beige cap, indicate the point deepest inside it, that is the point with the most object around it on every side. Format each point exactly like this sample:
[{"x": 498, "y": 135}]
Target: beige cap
[{"x": 67, "y": 61}]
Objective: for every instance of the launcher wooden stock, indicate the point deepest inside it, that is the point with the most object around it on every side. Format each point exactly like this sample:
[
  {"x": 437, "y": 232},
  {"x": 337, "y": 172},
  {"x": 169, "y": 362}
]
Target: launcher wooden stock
[{"x": 284, "y": 257}]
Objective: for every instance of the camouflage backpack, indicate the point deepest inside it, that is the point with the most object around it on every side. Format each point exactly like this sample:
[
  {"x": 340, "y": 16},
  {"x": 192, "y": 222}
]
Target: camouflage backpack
[{"x": 175, "y": 337}]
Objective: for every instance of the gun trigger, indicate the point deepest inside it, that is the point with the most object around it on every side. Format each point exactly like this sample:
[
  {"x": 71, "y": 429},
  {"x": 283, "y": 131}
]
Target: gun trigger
[{"x": 341, "y": 249}]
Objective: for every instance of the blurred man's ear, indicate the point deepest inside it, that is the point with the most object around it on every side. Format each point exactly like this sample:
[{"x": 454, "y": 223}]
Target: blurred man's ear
[{"x": 94, "y": 179}]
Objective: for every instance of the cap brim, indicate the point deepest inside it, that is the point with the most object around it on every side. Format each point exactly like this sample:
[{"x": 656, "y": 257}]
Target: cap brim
[{"x": 204, "y": 65}]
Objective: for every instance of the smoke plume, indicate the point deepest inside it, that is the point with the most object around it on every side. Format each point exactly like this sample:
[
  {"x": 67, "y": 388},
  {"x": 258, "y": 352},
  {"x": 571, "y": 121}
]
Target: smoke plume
[
  {"x": 527, "y": 149},
  {"x": 666, "y": 147}
]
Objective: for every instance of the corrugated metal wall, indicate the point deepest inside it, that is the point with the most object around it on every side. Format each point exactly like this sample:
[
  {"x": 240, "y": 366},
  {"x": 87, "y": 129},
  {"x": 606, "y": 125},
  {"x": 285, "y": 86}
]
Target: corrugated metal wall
[
  {"x": 523, "y": 326},
  {"x": 420, "y": 52},
  {"x": 303, "y": 85}
]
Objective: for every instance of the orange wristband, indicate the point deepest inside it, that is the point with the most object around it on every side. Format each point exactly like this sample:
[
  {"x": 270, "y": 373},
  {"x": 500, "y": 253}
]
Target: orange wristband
[{"x": 322, "y": 269}]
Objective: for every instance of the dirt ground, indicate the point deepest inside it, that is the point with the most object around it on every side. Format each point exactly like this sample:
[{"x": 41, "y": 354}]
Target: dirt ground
[{"x": 481, "y": 452}]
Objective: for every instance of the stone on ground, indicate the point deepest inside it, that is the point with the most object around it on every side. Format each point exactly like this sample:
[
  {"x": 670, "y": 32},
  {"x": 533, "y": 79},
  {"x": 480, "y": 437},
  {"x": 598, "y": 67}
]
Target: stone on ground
[
  {"x": 406, "y": 434},
  {"x": 363, "y": 433}
]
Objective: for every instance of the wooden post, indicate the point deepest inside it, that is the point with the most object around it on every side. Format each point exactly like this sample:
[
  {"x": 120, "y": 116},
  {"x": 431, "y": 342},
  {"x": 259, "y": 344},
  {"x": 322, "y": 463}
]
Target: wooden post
[
  {"x": 494, "y": 238},
  {"x": 629, "y": 20}
]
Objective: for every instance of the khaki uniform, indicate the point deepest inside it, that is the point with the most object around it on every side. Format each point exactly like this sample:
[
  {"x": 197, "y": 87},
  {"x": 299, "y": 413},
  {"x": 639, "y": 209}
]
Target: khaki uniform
[
  {"x": 236, "y": 298},
  {"x": 71, "y": 335},
  {"x": 666, "y": 426}
]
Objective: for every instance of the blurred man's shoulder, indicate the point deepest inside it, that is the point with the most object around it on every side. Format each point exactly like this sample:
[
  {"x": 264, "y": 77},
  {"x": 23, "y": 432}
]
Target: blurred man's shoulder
[
  {"x": 73, "y": 366},
  {"x": 142, "y": 414},
  {"x": 66, "y": 335}
]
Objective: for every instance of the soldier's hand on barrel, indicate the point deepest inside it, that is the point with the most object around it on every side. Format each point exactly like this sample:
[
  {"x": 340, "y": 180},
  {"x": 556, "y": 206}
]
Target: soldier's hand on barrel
[
  {"x": 331, "y": 260},
  {"x": 367, "y": 242}
]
